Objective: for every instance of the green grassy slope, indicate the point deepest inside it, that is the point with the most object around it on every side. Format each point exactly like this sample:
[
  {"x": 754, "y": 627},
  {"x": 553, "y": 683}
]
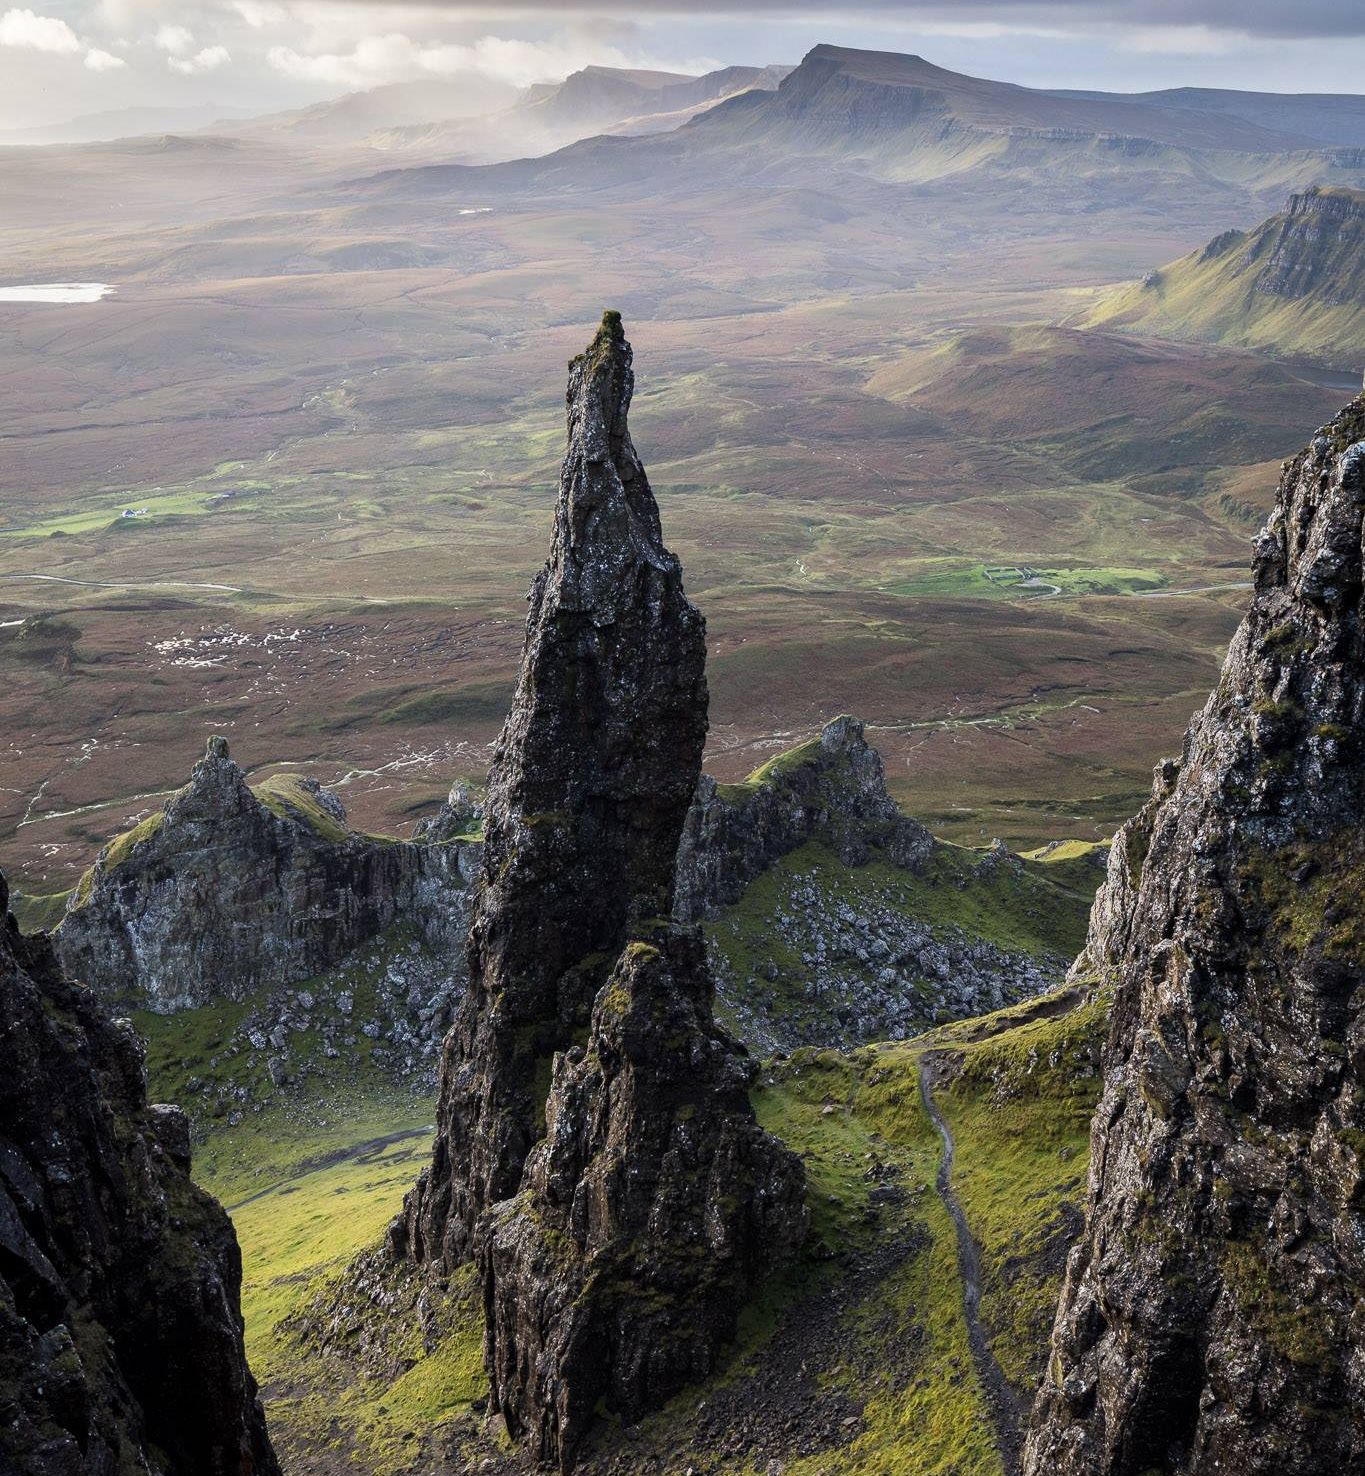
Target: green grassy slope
[
  {"x": 857, "y": 1362},
  {"x": 1218, "y": 294}
]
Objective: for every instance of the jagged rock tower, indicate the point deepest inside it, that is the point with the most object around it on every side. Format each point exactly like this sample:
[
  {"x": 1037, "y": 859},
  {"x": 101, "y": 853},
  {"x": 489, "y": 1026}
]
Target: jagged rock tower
[
  {"x": 1213, "y": 1317},
  {"x": 120, "y": 1324},
  {"x": 587, "y": 1027},
  {"x": 223, "y": 892}
]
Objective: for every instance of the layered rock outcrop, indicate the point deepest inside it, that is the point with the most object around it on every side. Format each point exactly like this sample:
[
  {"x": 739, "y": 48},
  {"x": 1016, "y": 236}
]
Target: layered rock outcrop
[
  {"x": 120, "y": 1329},
  {"x": 832, "y": 789},
  {"x": 587, "y": 1023},
  {"x": 229, "y": 889},
  {"x": 1313, "y": 248},
  {"x": 1212, "y": 1318}
]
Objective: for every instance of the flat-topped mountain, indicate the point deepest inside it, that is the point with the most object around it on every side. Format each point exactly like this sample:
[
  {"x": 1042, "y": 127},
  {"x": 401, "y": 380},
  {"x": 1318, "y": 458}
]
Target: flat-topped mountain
[
  {"x": 888, "y": 89},
  {"x": 1294, "y": 284},
  {"x": 1336, "y": 119},
  {"x": 899, "y": 118}
]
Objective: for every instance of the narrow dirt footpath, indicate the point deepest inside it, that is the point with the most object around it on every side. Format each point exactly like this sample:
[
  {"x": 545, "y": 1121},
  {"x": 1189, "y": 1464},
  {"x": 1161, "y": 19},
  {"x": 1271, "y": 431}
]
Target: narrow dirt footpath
[{"x": 1004, "y": 1410}]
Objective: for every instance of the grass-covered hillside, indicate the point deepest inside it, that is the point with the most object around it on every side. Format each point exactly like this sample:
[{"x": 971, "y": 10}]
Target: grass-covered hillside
[{"x": 1295, "y": 285}]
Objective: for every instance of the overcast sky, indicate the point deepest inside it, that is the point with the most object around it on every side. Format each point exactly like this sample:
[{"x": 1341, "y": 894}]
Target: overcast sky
[{"x": 63, "y": 58}]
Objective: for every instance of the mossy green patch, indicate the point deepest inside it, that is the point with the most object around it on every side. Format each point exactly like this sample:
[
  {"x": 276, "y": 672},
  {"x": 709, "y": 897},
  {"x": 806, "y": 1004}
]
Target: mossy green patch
[
  {"x": 38, "y": 914},
  {"x": 285, "y": 795},
  {"x": 1303, "y": 1332},
  {"x": 784, "y": 762},
  {"x": 122, "y": 846},
  {"x": 1020, "y": 1106}
]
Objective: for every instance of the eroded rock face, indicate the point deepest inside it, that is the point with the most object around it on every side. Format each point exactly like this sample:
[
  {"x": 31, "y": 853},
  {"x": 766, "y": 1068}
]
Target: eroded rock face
[
  {"x": 591, "y": 778},
  {"x": 832, "y": 789},
  {"x": 120, "y": 1329},
  {"x": 651, "y": 1207},
  {"x": 615, "y": 1255},
  {"x": 1212, "y": 1318},
  {"x": 224, "y": 893}
]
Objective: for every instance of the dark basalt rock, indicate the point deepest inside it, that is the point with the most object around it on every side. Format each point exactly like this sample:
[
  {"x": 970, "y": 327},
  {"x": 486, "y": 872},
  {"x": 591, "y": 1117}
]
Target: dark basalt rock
[
  {"x": 1212, "y": 1318},
  {"x": 591, "y": 778},
  {"x": 228, "y": 890},
  {"x": 832, "y": 789},
  {"x": 651, "y": 1207},
  {"x": 588, "y": 1020},
  {"x": 120, "y": 1329}
]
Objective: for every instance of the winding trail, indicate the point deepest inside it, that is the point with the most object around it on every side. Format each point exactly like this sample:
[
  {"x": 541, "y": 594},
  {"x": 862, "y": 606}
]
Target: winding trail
[{"x": 1000, "y": 1400}]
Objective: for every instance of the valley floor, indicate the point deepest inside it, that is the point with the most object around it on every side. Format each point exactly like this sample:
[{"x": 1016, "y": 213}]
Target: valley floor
[{"x": 860, "y": 1361}]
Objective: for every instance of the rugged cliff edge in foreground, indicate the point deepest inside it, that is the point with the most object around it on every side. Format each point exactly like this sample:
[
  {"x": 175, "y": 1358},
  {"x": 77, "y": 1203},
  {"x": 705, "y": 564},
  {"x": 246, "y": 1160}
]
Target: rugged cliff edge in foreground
[
  {"x": 1212, "y": 1318},
  {"x": 614, "y": 1256},
  {"x": 120, "y": 1330}
]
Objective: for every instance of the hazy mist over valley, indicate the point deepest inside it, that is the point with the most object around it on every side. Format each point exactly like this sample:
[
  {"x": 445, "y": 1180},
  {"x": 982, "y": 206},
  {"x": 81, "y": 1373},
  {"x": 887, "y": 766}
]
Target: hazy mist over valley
[{"x": 746, "y": 1007}]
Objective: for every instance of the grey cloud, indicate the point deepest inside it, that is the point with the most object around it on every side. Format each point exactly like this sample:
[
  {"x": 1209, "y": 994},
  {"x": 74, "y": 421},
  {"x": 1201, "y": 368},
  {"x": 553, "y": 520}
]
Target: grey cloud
[{"x": 1284, "y": 19}]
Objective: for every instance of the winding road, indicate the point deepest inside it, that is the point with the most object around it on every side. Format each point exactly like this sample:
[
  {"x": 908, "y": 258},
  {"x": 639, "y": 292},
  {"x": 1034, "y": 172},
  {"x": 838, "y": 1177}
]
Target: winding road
[{"x": 1004, "y": 1409}]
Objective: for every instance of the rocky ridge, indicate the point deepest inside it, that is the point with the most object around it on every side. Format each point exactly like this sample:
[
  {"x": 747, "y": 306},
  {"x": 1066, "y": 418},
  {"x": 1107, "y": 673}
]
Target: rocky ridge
[
  {"x": 1211, "y": 1318},
  {"x": 120, "y": 1329},
  {"x": 228, "y": 890},
  {"x": 587, "y": 1026},
  {"x": 1293, "y": 285},
  {"x": 1310, "y": 252},
  {"x": 832, "y": 789}
]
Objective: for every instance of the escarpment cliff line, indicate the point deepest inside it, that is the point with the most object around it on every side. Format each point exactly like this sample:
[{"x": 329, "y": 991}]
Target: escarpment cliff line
[
  {"x": 1212, "y": 1316},
  {"x": 120, "y": 1322},
  {"x": 596, "y": 1151}
]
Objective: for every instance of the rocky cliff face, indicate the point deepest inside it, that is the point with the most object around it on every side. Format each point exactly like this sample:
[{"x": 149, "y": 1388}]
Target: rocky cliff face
[
  {"x": 120, "y": 1330},
  {"x": 588, "y": 1014},
  {"x": 228, "y": 890},
  {"x": 1313, "y": 248},
  {"x": 650, "y": 1208},
  {"x": 832, "y": 789},
  {"x": 591, "y": 778},
  {"x": 1212, "y": 1318}
]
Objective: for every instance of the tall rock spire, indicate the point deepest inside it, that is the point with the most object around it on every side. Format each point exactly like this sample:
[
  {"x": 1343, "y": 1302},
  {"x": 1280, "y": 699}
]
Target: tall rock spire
[
  {"x": 596, "y": 1151},
  {"x": 590, "y": 784},
  {"x": 1212, "y": 1318}
]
